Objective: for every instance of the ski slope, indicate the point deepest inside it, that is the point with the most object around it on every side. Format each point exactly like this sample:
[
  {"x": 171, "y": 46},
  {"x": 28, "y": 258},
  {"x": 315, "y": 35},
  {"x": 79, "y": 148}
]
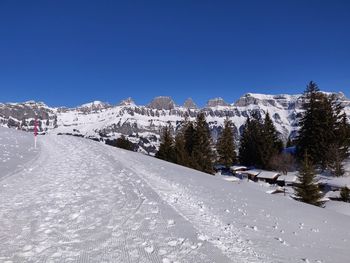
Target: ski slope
[{"x": 76, "y": 200}]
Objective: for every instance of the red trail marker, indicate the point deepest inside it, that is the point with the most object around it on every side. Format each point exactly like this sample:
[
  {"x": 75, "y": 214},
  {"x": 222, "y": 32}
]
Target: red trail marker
[{"x": 35, "y": 131}]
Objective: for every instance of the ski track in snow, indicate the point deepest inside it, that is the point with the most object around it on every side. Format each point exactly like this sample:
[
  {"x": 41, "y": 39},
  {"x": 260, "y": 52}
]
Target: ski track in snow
[
  {"x": 82, "y": 201},
  {"x": 77, "y": 203}
]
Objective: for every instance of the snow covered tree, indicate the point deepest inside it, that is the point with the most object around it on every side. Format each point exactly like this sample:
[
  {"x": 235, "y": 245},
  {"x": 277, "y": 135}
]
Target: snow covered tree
[
  {"x": 166, "y": 148},
  {"x": 307, "y": 189},
  {"x": 202, "y": 154},
  {"x": 225, "y": 145}
]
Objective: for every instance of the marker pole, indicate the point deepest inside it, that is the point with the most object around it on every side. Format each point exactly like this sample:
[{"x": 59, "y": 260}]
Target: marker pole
[{"x": 35, "y": 132}]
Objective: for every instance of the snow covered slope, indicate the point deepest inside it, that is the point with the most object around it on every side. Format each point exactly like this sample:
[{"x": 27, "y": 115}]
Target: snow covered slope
[
  {"x": 80, "y": 200},
  {"x": 141, "y": 124},
  {"x": 16, "y": 150}
]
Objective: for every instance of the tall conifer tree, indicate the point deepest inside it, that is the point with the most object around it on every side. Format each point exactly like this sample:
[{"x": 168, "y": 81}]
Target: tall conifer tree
[
  {"x": 307, "y": 189},
  {"x": 166, "y": 149},
  {"x": 225, "y": 146},
  {"x": 202, "y": 154},
  {"x": 251, "y": 142},
  {"x": 181, "y": 155},
  {"x": 271, "y": 143}
]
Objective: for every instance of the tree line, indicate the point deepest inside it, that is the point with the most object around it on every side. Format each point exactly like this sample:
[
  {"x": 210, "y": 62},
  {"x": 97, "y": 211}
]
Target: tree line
[{"x": 192, "y": 145}]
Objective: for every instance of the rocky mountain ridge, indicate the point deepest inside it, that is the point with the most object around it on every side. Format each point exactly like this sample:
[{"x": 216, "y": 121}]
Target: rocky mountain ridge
[{"x": 142, "y": 124}]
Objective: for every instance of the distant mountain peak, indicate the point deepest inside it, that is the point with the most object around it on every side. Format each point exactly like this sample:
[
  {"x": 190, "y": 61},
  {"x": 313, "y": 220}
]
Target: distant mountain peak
[
  {"x": 93, "y": 103},
  {"x": 162, "y": 103},
  {"x": 189, "y": 104},
  {"x": 127, "y": 102},
  {"x": 94, "y": 106},
  {"x": 215, "y": 102}
]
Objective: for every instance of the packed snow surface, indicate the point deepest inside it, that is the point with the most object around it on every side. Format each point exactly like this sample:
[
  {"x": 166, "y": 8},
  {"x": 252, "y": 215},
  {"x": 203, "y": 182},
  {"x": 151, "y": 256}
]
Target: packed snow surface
[{"x": 76, "y": 200}]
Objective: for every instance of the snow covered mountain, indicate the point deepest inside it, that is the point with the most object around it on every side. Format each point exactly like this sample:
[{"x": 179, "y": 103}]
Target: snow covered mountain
[
  {"x": 141, "y": 124},
  {"x": 76, "y": 200}
]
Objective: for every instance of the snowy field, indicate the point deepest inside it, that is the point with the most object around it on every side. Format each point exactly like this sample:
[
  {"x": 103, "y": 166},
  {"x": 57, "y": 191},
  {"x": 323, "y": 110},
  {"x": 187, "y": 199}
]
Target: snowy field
[{"x": 76, "y": 200}]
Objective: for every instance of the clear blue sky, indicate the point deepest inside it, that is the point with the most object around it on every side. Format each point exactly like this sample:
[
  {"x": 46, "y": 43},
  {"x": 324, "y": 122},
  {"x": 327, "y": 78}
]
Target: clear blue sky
[{"x": 71, "y": 52}]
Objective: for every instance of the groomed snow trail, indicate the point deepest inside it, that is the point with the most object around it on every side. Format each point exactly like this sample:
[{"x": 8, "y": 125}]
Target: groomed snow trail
[{"x": 77, "y": 203}]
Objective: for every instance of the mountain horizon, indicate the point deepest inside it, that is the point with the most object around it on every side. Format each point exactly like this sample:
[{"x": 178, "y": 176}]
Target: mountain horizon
[
  {"x": 141, "y": 124},
  {"x": 199, "y": 105}
]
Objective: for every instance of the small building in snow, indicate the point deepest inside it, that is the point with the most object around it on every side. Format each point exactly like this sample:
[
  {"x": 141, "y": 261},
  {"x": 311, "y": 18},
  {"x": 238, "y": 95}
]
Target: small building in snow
[
  {"x": 287, "y": 179},
  {"x": 268, "y": 176},
  {"x": 250, "y": 174},
  {"x": 238, "y": 169}
]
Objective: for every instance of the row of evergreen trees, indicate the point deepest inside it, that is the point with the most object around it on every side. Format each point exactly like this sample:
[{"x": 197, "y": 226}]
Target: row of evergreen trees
[
  {"x": 192, "y": 146},
  {"x": 259, "y": 142}
]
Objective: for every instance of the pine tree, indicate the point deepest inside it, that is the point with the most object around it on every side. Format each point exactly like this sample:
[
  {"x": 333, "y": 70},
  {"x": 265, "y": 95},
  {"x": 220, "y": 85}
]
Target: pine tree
[
  {"x": 251, "y": 142},
  {"x": 322, "y": 127},
  {"x": 342, "y": 134},
  {"x": 225, "y": 146},
  {"x": 307, "y": 189},
  {"x": 271, "y": 144},
  {"x": 259, "y": 142},
  {"x": 202, "y": 154},
  {"x": 336, "y": 160},
  {"x": 181, "y": 155},
  {"x": 166, "y": 149},
  {"x": 189, "y": 133},
  {"x": 309, "y": 134}
]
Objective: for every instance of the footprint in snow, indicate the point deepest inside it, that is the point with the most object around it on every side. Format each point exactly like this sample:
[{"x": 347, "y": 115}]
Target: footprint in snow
[
  {"x": 172, "y": 243},
  {"x": 27, "y": 248},
  {"x": 171, "y": 222},
  {"x": 279, "y": 239},
  {"x": 149, "y": 249},
  {"x": 255, "y": 228},
  {"x": 203, "y": 237}
]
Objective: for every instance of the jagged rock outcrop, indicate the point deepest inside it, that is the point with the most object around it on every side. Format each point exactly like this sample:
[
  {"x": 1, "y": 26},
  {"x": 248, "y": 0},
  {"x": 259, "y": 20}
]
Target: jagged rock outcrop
[
  {"x": 127, "y": 102},
  {"x": 189, "y": 104},
  {"x": 162, "y": 103},
  {"x": 94, "y": 106},
  {"x": 216, "y": 102}
]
